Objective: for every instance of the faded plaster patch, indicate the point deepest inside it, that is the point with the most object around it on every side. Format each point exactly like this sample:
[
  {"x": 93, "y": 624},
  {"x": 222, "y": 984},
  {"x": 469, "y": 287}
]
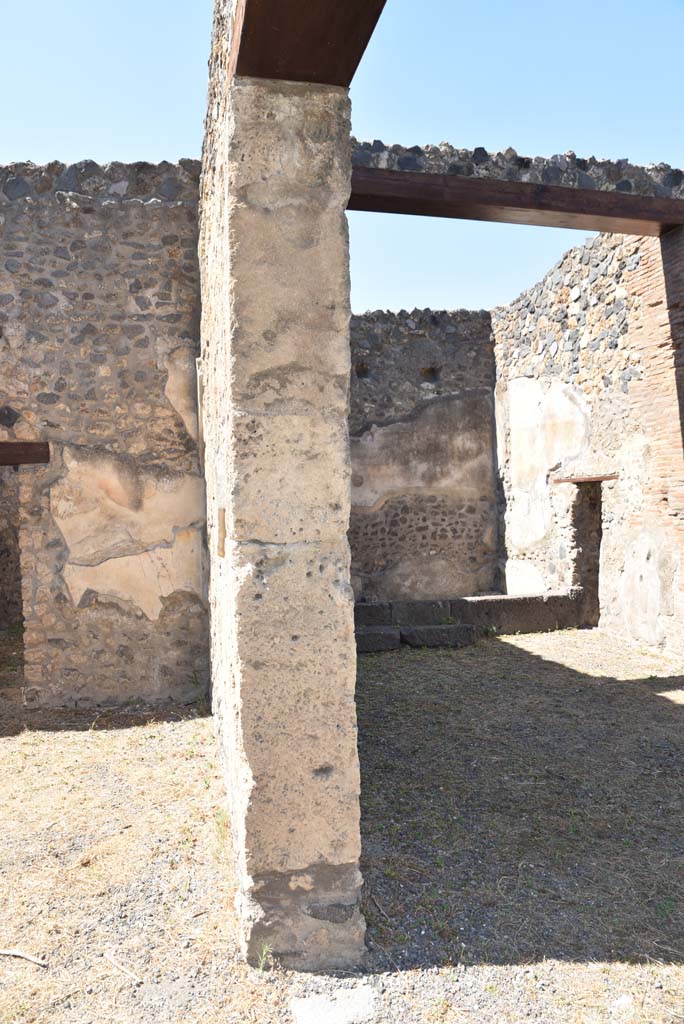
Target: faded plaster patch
[
  {"x": 646, "y": 586},
  {"x": 444, "y": 446},
  {"x": 181, "y": 387},
  {"x": 523, "y": 578},
  {"x": 143, "y": 579},
  {"x": 106, "y": 507},
  {"x": 549, "y": 425}
]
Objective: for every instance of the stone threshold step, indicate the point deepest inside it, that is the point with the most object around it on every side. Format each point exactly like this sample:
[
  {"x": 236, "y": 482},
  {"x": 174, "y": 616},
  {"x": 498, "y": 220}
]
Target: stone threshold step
[
  {"x": 438, "y": 636},
  {"x": 374, "y": 639}
]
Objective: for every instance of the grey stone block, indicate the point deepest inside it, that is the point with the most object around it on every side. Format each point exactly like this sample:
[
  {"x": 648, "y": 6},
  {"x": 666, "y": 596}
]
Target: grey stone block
[
  {"x": 438, "y": 636},
  {"x": 421, "y": 613},
  {"x": 373, "y": 615},
  {"x": 373, "y": 639},
  {"x": 507, "y": 614}
]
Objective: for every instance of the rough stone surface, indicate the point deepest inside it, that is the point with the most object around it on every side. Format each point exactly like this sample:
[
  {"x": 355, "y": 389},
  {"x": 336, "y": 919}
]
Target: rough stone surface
[
  {"x": 506, "y": 614},
  {"x": 566, "y": 169},
  {"x": 10, "y": 569},
  {"x": 373, "y": 639},
  {"x": 438, "y": 636},
  {"x": 275, "y": 372},
  {"x": 590, "y": 387},
  {"x": 424, "y": 492},
  {"x": 99, "y": 297}
]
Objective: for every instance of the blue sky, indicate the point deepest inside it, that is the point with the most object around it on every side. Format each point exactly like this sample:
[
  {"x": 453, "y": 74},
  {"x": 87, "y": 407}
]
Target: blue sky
[{"x": 128, "y": 82}]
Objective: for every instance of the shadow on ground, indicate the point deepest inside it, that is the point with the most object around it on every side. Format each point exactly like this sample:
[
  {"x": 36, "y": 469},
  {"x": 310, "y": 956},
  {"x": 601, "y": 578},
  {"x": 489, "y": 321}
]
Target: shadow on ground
[
  {"x": 516, "y": 809},
  {"x": 15, "y": 718}
]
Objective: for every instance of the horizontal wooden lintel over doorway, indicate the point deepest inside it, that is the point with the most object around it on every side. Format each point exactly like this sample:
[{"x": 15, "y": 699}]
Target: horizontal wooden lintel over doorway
[
  {"x": 585, "y": 479},
  {"x": 511, "y": 202}
]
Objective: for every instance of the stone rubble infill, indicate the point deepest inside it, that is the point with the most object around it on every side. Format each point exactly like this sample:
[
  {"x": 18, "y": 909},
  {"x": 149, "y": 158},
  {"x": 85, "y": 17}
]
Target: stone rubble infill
[
  {"x": 169, "y": 182},
  {"x": 565, "y": 169}
]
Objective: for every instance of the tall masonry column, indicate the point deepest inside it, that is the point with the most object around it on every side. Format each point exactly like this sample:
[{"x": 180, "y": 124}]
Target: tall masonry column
[{"x": 275, "y": 371}]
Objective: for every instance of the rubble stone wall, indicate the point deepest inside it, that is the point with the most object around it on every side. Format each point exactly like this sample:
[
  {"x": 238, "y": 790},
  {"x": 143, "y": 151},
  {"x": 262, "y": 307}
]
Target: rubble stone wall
[
  {"x": 564, "y": 169},
  {"x": 588, "y": 387},
  {"x": 10, "y": 571},
  {"x": 99, "y": 323},
  {"x": 424, "y": 482}
]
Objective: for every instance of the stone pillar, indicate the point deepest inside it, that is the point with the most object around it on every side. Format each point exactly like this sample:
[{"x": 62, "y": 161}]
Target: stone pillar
[{"x": 275, "y": 352}]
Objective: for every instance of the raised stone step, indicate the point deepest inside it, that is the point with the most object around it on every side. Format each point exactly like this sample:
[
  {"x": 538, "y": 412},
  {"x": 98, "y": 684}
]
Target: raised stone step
[
  {"x": 438, "y": 636},
  {"x": 373, "y": 615},
  {"x": 421, "y": 613},
  {"x": 373, "y": 639}
]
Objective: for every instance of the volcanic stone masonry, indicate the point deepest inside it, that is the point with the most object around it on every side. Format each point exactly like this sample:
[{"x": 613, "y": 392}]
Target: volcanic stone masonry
[
  {"x": 487, "y": 452},
  {"x": 99, "y": 325},
  {"x": 424, "y": 483},
  {"x": 566, "y": 169},
  {"x": 590, "y": 388},
  {"x": 10, "y": 570},
  {"x": 99, "y": 308}
]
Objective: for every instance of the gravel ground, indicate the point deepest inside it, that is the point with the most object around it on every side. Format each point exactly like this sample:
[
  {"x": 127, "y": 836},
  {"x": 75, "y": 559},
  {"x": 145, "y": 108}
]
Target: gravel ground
[{"x": 523, "y": 851}]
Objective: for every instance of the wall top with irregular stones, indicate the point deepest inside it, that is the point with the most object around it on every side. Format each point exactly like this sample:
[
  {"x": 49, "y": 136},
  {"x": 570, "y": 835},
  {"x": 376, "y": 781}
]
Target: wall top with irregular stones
[
  {"x": 566, "y": 169},
  {"x": 575, "y": 323},
  {"x": 402, "y": 360},
  {"x": 113, "y": 182}
]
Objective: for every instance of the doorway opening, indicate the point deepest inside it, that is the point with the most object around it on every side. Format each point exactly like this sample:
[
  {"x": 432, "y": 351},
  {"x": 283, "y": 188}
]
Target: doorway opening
[{"x": 587, "y": 529}]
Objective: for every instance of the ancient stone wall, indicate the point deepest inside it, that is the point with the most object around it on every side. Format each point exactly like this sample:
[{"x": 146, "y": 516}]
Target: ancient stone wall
[
  {"x": 99, "y": 323},
  {"x": 424, "y": 483},
  {"x": 10, "y": 571},
  {"x": 587, "y": 388},
  {"x": 564, "y": 169}
]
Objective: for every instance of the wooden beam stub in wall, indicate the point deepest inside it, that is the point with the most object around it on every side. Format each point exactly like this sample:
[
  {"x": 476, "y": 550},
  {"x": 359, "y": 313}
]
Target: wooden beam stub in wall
[
  {"x": 584, "y": 479},
  {"x": 318, "y": 41},
  {"x": 511, "y": 202},
  {"x": 22, "y": 453}
]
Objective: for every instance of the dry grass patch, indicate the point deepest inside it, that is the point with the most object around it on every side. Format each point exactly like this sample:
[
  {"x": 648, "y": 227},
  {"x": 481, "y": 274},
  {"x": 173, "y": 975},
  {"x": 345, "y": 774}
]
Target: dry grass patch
[{"x": 523, "y": 850}]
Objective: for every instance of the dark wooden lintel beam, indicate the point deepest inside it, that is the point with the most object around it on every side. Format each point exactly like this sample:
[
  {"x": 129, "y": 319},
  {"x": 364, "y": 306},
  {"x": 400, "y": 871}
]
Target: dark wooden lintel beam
[
  {"x": 585, "y": 479},
  {"x": 318, "y": 41},
  {"x": 511, "y": 202},
  {"x": 21, "y": 453}
]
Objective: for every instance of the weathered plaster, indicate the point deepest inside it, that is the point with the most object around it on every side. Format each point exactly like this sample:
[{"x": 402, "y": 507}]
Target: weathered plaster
[{"x": 275, "y": 369}]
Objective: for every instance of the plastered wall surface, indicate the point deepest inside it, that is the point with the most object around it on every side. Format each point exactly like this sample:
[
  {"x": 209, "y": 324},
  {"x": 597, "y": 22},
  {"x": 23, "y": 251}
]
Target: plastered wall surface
[
  {"x": 99, "y": 325},
  {"x": 424, "y": 483},
  {"x": 588, "y": 387}
]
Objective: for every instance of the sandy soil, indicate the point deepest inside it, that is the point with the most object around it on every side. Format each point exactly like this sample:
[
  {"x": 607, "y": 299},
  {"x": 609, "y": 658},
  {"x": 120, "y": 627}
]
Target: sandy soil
[{"x": 523, "y": 850}]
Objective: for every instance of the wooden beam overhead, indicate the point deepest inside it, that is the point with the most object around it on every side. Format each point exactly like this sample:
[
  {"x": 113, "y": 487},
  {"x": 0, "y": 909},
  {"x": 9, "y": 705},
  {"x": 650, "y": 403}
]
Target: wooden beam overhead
[
  {"x": 511, "y": 202},
  {"x": 319, "y": 41},
  {"x": 22, "y": 453}
]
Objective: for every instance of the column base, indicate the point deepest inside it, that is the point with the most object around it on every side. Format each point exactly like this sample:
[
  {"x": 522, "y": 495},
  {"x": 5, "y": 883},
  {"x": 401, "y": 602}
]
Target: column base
[{"x": 309, "y": 919}]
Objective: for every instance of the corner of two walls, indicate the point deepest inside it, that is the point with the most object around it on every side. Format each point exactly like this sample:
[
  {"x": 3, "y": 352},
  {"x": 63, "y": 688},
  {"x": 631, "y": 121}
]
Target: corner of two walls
[{"x": 587, "y": 387}]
